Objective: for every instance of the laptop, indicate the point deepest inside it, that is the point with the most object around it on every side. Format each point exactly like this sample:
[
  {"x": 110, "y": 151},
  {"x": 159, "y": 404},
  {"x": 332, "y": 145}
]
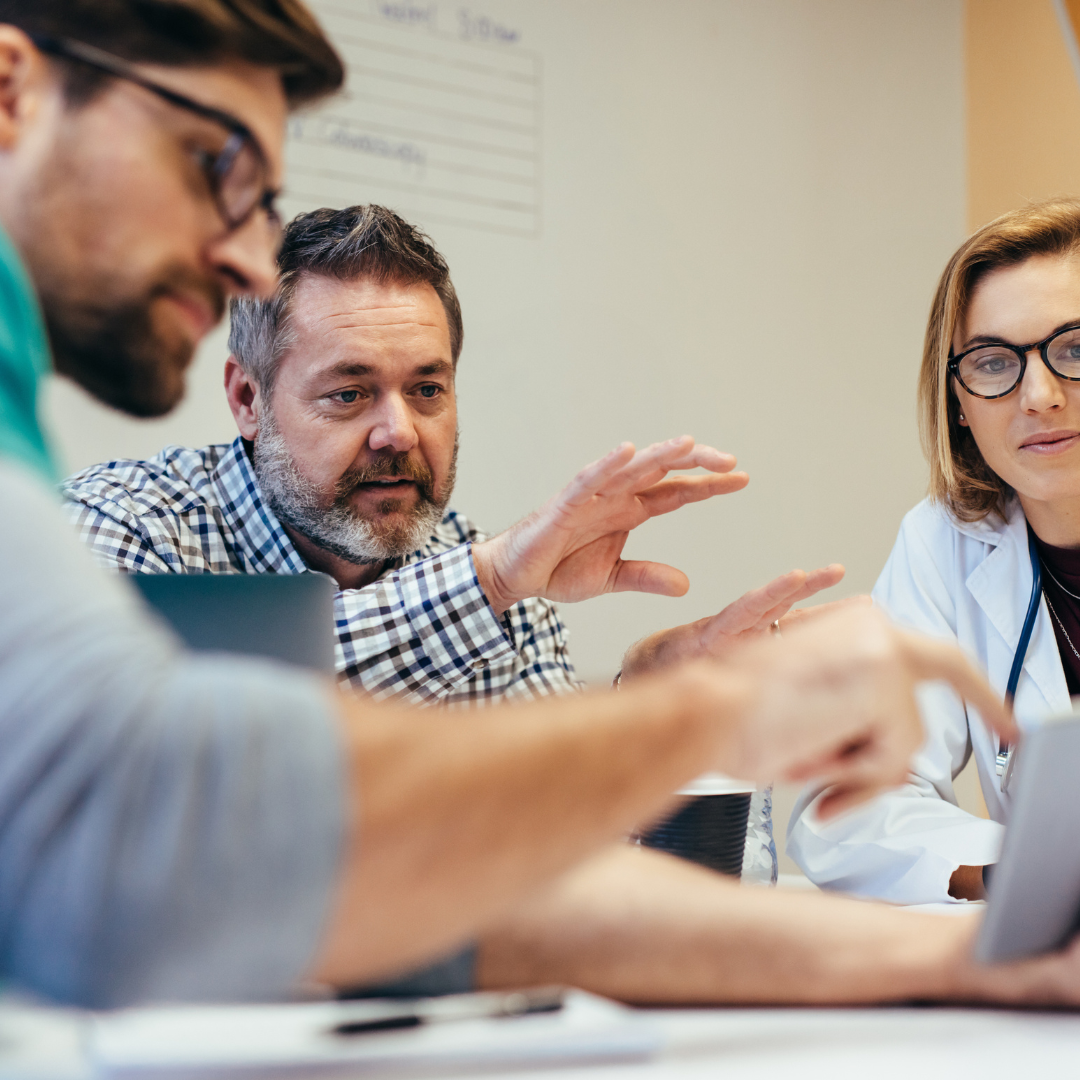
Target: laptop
[{"x": 287, "y": 617}]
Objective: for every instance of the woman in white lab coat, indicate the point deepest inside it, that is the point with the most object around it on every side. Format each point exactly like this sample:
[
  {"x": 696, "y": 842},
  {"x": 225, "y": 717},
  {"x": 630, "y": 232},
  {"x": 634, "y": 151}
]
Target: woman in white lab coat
[{"x": 1000, "y": 420}]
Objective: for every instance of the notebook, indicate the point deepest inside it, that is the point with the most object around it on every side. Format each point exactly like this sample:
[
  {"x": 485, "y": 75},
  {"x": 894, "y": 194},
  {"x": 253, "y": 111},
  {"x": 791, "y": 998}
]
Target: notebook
[{"x": 226, "y": 1041}]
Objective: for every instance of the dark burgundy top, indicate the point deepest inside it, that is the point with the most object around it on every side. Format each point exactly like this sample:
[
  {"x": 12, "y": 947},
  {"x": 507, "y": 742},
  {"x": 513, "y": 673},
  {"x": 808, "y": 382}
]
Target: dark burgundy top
[{"x": 1060, "y": 577}]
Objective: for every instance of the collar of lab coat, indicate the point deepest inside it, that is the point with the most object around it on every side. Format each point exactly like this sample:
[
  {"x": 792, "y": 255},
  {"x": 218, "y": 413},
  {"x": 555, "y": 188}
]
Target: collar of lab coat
[{"x": 1001, "y": 586}]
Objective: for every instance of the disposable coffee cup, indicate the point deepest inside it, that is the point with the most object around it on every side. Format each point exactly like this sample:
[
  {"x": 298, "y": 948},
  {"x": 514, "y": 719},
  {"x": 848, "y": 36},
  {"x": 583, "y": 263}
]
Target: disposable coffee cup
[{"x": 710, "y": 827}]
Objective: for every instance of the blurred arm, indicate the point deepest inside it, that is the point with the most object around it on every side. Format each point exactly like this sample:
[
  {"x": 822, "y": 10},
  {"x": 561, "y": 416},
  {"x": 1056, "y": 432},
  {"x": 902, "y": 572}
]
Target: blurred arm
[
  {"x": 451, "y": 825},
  {"x": 650, "y": 929}
]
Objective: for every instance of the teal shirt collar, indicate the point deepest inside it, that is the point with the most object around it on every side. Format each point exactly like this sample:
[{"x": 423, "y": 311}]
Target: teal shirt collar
[{"x": 24, "y": 360}]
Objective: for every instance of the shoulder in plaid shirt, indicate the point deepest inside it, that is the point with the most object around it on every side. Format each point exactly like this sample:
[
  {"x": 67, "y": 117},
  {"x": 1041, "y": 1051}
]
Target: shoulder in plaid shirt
[{"x": 423, "y": 632}]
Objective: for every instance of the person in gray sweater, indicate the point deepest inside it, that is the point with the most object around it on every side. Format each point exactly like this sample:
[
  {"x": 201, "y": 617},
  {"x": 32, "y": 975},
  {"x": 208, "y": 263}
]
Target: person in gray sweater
[{"x": 175, "y": 827}]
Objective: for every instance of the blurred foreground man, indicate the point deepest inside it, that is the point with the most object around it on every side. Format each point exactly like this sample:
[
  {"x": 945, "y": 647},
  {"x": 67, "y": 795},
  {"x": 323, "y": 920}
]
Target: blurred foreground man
[{"x": 183, "y": 827}]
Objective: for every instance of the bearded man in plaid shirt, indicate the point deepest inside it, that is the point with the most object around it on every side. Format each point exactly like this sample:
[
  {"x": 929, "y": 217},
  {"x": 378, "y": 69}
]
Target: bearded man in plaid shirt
[{"x": 342, "y": 387}]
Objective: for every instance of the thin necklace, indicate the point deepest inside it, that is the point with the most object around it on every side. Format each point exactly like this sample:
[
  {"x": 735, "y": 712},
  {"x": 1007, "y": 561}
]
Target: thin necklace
[
  {"x": 1057, "y": 618},
  {"x": 1058, "y": 583}
]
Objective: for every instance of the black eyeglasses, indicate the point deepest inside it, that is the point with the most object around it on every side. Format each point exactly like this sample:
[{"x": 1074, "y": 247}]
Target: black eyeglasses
[
  {"x": 236, "y": 174},
  {"x": 994, "y": 370}
]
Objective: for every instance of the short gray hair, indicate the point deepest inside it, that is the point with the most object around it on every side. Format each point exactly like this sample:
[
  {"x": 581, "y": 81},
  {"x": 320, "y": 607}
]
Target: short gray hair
[{"x": 357, "y": 242}]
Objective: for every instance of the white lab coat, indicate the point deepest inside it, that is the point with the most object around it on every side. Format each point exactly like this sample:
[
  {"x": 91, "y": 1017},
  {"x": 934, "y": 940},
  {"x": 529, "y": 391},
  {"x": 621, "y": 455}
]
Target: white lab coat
[{"x": 969, "y": 583}]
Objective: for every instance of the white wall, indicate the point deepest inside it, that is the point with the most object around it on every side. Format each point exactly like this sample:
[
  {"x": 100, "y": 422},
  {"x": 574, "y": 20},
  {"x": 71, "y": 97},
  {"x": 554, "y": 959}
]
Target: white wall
[{"x": 744, "y": 208}]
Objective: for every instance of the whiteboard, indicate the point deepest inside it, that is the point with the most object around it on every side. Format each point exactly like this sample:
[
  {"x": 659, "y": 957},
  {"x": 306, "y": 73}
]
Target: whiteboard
[{"x": 443, "y": 121}]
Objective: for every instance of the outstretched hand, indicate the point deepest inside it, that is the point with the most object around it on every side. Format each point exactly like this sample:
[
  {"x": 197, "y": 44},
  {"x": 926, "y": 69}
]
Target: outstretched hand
[
  {"x": 751, "y": 616},
  {"x": 836, "y": 705},
  {"x": 571, "y": 548},
  {"x": 754, "y": 613}
]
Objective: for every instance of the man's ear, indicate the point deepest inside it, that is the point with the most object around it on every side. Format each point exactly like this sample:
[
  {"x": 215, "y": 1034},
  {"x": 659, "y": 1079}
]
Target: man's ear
[
  {"x": 244, "y": 398},
  {"x": 24, "y": 77}
]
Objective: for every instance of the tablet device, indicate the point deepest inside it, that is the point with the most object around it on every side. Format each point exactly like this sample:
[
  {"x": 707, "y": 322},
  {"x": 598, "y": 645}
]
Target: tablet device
[
  {"x": 1034, "y": 892},
  {"x": 286, "y": 617}
]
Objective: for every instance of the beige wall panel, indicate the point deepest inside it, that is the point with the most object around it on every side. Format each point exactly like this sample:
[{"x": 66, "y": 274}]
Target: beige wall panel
[
  {"x": 745, "y": 207},
  {"x": 1023, "y": 100}
]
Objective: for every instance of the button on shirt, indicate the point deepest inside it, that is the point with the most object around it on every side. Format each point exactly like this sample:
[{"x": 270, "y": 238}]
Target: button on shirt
[{"x": 423, "y": 632}]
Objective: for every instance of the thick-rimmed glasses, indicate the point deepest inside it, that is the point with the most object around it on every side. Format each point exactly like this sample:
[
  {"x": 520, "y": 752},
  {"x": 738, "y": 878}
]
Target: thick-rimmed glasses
[
  {"x": 236, "y": 174},
  {"x": 995, "y": 369}
]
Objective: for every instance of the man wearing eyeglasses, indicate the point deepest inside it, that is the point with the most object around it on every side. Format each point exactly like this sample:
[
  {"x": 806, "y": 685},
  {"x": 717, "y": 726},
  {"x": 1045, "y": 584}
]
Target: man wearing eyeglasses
[
  {"x": 184, "y": 827},
  {"x": 126, "y": 305}
]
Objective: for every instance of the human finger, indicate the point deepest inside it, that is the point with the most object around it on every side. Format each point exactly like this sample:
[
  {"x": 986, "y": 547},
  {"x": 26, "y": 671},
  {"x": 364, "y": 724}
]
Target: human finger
[
  {"x": 856, "y": 750},
  {"x": 1052, "y": 980},
  {"x": 873, "y": 760},
  {"x": 812, "y": 583},
  {"x": 840, "y": 798},
  {"x": 635, "y": 575},
  {"x": 856, "y": 712},
  {"x": 930, "y": 659},
  {"x": 648, "y": 466},
  {"x": 801, "y": 615},
  {"x": 825, "y": 577},
  {"x": 649, "y": 470},
  {"x": 596, "y": 474},
  {"x": 700, "y": 456},
  {"x": 649, "y": 463},
  {"x": 677, "y": 491},
  {"x": 756, "y": 607},
  {"x": 783, "y": 589}
]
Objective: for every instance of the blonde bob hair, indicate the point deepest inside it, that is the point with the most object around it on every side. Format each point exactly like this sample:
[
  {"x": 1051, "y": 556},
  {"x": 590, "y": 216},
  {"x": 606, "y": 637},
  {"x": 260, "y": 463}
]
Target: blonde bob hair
[{"x": 959, "y": 477}]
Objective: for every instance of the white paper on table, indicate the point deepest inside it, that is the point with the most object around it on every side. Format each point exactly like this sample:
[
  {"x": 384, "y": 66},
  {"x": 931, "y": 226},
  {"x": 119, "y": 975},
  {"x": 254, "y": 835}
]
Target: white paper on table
[
  {"x": 41, "y": 1042},
  {"x": 198, "y": 1042}
]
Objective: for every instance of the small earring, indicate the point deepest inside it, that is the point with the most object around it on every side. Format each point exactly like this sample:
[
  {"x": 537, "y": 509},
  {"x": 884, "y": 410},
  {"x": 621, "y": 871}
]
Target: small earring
[{"x": 961, "y": 416}]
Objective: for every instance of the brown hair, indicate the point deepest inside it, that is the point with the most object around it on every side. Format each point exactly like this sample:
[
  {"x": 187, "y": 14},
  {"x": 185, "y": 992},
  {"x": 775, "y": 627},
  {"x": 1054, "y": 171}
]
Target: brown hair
[
  {"x": 279, "y": 34},
  {"x": 959, "y": 477},
  {"x": 357, "y": 242}
]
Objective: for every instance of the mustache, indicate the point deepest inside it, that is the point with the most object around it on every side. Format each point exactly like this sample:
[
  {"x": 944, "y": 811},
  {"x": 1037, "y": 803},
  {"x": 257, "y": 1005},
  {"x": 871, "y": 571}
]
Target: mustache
[
  {"x": 399, "y": 466},
  {"x": 185, "y": 282}
]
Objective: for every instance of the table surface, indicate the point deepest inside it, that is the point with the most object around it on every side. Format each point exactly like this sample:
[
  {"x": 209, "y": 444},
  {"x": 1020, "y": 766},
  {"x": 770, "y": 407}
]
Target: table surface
[
  {"x": 833, "y": 1044},
  {"x": 868, "y": 1044}
]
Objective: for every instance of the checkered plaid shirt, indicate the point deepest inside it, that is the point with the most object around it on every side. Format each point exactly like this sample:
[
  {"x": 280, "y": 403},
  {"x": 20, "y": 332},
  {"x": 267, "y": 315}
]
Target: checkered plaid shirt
[{"x": 423, "y": 632}]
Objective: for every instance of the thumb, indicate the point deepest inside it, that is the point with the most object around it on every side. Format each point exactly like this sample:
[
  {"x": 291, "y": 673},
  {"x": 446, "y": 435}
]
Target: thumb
[{"x": 649, "y": 577}]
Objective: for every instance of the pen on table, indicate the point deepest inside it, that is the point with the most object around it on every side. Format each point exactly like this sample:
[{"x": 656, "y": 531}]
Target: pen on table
[{"x": 487, "y": 1005}]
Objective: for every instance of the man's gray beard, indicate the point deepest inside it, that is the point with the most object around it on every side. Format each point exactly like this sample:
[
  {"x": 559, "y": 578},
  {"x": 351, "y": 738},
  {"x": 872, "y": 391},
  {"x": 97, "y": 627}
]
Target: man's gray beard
[{"x": 338, "y": 528}]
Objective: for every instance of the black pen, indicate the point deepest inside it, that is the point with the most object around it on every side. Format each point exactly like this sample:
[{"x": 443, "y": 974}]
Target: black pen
[{"x": 487, "y": 1005}]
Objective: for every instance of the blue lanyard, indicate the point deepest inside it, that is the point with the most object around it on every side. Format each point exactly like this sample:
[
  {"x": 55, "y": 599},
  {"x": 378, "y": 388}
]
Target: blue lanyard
[
  {"x": 1004, "y": 764},
  {"x": 1029, "y": 619}
]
